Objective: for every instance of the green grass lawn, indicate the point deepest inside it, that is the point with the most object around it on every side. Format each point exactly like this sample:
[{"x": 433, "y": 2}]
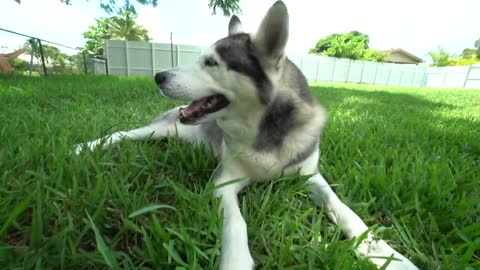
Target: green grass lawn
[{"x": 407, "y": 160}]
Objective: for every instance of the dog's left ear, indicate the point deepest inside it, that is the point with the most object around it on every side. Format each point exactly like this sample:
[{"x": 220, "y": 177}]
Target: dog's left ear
[
  {"x": 272, "y": 35},
  {"x": 234, "y": 26}
]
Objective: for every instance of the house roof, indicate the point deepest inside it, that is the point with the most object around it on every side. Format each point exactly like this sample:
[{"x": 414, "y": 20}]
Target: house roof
[{"x": 399, "y": 50}]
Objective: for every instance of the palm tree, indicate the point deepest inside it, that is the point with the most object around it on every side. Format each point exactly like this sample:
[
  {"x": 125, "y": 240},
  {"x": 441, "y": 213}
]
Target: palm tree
[
  {"x": 440, "y": 58},
  {"x": 51, "y": 53},
  {"x": 124, "y": 27},
  {"x": 31, "y": 45}
]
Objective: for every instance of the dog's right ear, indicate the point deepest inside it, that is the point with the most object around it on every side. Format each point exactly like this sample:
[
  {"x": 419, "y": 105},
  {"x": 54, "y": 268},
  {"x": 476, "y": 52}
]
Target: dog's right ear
[
  {"x": 234, "y": 26},
  {"x": 271, "y": 37}
]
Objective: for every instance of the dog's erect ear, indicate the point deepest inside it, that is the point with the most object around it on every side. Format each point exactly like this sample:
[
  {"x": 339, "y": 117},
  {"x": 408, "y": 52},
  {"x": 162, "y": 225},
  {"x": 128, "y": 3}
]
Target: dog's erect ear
[
  {"x": 234, "y": 26},
  {"x": 272, "y": 35}
]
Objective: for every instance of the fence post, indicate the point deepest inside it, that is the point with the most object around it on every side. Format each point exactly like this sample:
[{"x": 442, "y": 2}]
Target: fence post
[
  {"x": 318, "y": 69},
  {"x": 334, "y": 67},
  {"x": 32, "y": 43},
  {"x": 349, "y": 68},
  {"x": 376, "y": 73},
  {"x": 425, "y": 76},
  {"x": 178, "y": 55},
  {"x": 401, "y": 75},
  {"x": 444, "y": 76},
  {"x": 390, "y": 74},
  {"x": 43, "y": 57},
  {"x": 106, "y": 66},
  {"x": 106, "y": 57},
  {"x": 414, "y": 76},
  {"x": 84, "y": 62},
  {"x": 363, "y": 70},
  {"x": 468, "y": 75},
  {"x": 126, "y": 58},
  {"x": 171, "y": 47},
  {"x": 153, "y": 58}
]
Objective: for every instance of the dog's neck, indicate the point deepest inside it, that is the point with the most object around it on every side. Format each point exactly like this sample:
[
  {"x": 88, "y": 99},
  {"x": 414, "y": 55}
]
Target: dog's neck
[
  {"x": 241, "y": 125},
  {"x": 259, "y": 124}
]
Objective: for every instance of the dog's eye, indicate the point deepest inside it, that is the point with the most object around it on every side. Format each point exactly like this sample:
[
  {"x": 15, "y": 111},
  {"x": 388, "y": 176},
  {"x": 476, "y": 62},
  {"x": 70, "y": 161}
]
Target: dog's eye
[{"x": 210, "y": 62}]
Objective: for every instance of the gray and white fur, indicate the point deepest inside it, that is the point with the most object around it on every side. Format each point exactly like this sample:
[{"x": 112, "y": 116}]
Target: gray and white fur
[{"x": 271, "y": 125}]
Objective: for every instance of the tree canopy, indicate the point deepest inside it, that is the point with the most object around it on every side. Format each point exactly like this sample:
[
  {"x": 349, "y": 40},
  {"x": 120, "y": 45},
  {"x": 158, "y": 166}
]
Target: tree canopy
[
  {"x": 122, "y": 26},
  {"x": 468, "y": 53},
  {"x": 228, "y": 7},
  {"x": 52, "y": 54},
  {"x": 352, "y": 45},
  {"x": 442, "y": 58},
  {"x": 468, "y": 57}
]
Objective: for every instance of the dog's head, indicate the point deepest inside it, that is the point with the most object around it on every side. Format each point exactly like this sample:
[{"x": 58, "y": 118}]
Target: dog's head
[{"x": 238, "y": 71}]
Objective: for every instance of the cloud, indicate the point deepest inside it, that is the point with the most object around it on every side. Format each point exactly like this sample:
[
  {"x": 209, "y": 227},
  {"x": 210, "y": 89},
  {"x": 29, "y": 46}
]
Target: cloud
[
  {"x": 47, "y": 19},
  {"x": 417, "y": 26},
  {"x": 150, "y": 18}
]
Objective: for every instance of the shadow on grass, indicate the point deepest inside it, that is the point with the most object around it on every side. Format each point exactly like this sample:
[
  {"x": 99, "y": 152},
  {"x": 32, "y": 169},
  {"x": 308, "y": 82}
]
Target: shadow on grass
[{"x": 416, "y": 156}]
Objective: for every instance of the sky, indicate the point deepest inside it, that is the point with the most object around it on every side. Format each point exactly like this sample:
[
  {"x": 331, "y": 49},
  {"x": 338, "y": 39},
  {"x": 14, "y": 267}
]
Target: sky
[{"x": 417, "y": 26}]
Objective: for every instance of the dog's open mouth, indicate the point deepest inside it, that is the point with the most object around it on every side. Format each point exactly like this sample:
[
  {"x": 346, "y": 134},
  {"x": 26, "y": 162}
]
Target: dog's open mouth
[{"x": 201, "y": 107}]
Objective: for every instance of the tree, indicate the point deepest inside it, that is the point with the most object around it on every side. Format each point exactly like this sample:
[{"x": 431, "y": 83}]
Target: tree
[
  {"x": 19, "y": 64},
  {"x": 96, "y": 35},
  {"x": 227, "y": 6},
  {"x": 463, "y": 61},
  {"x": 54, "y": 57},
  {"x": 325, "y": 43},
  {"x": 352, "y": 45},
  {"x": 32, "y": 46},
  {"x": 52, "y": 54},
  {"x": 468, "y": 53},
  {"x": 121, "y": 27},
  {"x": 124, "y": 27},
  {"x": 440, "y": 58},
  {"x": 49, "y": 52}
]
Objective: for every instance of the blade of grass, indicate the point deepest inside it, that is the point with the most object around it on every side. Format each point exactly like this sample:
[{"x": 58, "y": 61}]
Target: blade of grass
[
  {"x": 150, "y": 209},
  {"x": 102, "y": 247},
  {"x": 17, "y": 211}
]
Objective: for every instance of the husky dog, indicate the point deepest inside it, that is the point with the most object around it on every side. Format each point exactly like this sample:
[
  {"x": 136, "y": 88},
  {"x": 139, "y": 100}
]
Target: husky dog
[{"x": 254, "y": 108}]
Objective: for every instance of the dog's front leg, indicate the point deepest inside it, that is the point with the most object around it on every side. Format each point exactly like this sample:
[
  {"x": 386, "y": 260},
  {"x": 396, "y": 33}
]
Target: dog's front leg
[
  {"x": 165, "y": 125},
  {"x": 157, "y": 128},
  {"x": 235, "y": 254},
  {"x": 351, "y": 224}
]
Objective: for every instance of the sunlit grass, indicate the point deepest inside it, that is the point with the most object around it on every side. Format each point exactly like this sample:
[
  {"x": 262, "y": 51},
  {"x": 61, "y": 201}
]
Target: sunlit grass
[{"x": 405, "y": 159}]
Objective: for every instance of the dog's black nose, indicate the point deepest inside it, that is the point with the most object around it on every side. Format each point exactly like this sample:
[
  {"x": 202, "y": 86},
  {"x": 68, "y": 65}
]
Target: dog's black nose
[{"x": 161, "y": 77}]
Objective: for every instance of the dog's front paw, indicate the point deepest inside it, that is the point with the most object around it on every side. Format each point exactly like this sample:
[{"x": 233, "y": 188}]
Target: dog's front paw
[
  {"x": 84, "y": 146},
  {"x": 380, "y": 253},
  {"x": 238, "y": 263}
]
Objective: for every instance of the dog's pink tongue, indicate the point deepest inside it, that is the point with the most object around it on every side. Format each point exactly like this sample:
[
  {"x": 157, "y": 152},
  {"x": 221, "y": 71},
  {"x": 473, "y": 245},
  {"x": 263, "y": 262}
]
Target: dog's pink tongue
[{"x": 193, "y": 110}]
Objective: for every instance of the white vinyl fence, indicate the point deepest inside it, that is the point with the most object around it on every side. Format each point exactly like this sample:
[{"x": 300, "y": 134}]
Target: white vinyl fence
[
  {"x": 329, "y": 69},
  {"x": 136, "y": 58},
  {"x": 99, "y": 66},
  {"x": 140, "y": 58}
]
